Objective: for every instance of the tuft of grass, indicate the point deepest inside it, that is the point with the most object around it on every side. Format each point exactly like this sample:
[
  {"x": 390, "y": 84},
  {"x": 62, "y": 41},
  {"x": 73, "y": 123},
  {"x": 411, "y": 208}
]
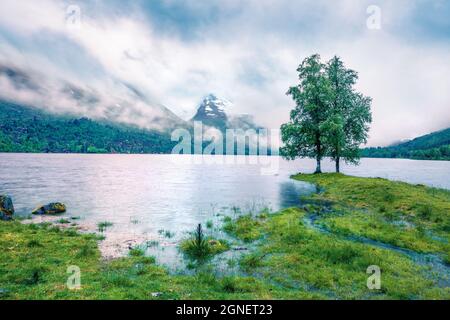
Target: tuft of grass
[
  {"x": 86, "y": 250},
  {"x": 34, "y": 244},
  {"x": 425, "y": 211},
  {"x": 201, "y": 247},
  {"x": 166, "y": 233},
  {"x": 136, "y": 252},
  {"x": 244, "y": 228},
  {"x": 152, "y": 244},
  {"x": 102, "y": 226},
  {"x": 209, "y": 224}
]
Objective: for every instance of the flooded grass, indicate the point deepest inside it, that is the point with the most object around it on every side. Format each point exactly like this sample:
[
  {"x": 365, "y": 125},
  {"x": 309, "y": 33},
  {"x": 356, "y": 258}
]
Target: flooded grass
[
  {"x": 102, "y": 226},
  {"x": 320, "y": 250}
]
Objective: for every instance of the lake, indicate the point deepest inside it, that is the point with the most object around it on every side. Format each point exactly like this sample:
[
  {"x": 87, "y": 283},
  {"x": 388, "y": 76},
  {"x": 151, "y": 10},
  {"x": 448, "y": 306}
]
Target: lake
[{"x": 145, "y": 194}]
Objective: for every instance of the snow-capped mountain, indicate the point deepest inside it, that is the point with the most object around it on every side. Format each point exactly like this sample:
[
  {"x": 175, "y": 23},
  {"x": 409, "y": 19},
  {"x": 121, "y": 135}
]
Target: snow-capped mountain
[
  {"x": 215, "y": 112},
  {"x": 211, "y": 112}
]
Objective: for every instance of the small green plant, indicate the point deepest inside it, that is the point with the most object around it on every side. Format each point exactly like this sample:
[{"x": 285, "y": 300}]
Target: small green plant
[
  {"x": 209, "y": 224},
  {"x": 389, "y": 197},
  {"x": 229, "y": 284},
  {"x": 425, "y": 212},
  {"x": 152, "y": 244},
  {"x": 102, "y": 226},
  {"x": 85, "y": 251},
  {"x": 35, "y": 277},
  {"x": 34, "y": 244},
  {"x": 63, "y": 221},
  {"x": 166, "y": 233},
  {"x": 137, "y": 252},
  {"x": 200, "y": 247},
  {"x": 251, "y": 261}
]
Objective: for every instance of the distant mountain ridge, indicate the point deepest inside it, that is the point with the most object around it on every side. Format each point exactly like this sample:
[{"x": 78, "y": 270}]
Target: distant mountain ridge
[
  {"x": 29, "y": 129},
  {"x": 433, "y": 146}
]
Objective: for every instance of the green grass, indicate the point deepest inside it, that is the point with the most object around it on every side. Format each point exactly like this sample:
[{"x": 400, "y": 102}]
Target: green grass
[
  {"x": 245, "y": 228},
  {"x": 409, "y": 216},
  {"x": 297, "y": 258},
  {"x": 201, "y": 247},
  {"x": 40, "y": 271}
]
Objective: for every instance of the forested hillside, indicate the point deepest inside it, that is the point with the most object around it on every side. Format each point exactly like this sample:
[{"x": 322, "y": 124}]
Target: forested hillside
[
  {"x": 433, "y": 146},
  {"x": 26, "y": 129}
]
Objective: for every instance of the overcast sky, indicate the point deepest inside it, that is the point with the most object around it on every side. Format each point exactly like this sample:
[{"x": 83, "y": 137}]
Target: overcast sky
[{"x": 177, "y": 51}]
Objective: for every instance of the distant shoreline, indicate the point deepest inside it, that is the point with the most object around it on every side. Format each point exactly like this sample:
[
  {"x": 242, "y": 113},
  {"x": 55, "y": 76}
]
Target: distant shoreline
[{"x": 269, "y": 155}]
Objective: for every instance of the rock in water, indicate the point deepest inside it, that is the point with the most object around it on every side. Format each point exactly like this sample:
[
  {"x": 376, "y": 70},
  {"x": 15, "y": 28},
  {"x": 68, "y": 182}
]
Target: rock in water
[
  {"x": 51, "y": 208},
  {"x": 6, "y": 208}
]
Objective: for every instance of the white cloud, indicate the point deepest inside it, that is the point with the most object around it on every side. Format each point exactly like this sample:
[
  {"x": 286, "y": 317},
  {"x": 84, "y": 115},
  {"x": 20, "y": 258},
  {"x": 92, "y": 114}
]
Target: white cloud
[{"x": 249, "y": 56}]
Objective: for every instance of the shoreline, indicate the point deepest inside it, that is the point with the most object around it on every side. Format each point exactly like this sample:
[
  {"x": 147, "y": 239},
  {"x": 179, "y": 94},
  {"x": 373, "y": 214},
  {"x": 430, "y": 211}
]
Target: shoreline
[{"x": 289, "y": 257}]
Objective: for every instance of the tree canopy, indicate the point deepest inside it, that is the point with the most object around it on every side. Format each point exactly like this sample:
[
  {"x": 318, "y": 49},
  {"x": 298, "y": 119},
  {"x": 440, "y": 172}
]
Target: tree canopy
[{"x": 330, "y": 118}]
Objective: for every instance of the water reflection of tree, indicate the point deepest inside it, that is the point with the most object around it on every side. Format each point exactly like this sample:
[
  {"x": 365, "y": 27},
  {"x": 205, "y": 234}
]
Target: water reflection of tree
[{"x": 291, "y": 191}]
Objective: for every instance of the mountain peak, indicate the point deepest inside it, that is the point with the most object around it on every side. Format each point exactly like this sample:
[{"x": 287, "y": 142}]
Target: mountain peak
[{"x": 211, "y": 112}]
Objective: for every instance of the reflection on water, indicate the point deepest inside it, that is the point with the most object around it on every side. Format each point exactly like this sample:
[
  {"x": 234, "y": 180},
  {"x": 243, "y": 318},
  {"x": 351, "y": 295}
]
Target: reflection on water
[
  {"x": 289, "y": 194},
  {"x": 143, "y": 194}
]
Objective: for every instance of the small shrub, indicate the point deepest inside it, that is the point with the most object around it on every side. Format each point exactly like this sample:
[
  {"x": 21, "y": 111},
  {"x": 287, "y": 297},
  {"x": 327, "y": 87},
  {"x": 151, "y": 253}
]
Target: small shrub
[{"x": 209, "y": 224}]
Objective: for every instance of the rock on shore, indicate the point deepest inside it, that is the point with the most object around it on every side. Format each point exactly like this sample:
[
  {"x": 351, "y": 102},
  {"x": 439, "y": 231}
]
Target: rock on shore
[
  {"x": 51, "y": 208},
  {"x": 6, "y": 208}
]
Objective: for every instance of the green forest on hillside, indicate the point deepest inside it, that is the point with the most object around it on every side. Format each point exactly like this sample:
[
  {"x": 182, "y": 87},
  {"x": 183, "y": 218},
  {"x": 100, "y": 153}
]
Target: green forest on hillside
[
  {"x": 25, "y": 129},
  {"x": 433, "y": 146}
]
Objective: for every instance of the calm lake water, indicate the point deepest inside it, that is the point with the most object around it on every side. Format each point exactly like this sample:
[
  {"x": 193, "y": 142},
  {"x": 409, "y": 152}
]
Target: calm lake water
[{"x": 149, "y": 193}]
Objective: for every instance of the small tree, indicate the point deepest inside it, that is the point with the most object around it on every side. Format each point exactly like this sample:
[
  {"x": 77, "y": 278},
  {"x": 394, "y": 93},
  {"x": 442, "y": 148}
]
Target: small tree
[
  {"x": 304, "y": 135},
  {"x": 347, "y": 125}
]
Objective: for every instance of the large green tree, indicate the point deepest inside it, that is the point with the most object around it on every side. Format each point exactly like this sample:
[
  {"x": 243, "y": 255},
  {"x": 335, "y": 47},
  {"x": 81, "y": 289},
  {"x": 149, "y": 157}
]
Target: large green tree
[
  {"x": 304, "y": 135},
  {"x": 330, "y": 118},
  {"x": 349, "y": 115}
]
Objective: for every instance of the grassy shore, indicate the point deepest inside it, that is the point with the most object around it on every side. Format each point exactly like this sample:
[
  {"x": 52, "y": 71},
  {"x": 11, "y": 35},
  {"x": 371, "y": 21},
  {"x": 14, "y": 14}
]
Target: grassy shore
[{"x": 320, "y": 250}]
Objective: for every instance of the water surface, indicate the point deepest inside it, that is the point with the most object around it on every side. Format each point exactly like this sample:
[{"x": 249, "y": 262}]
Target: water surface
[{"x": 145, "y": 194}]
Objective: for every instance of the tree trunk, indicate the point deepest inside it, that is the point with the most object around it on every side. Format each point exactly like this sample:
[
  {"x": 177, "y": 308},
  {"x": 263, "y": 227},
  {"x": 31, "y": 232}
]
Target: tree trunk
[
  {"x": 318, "y": 168},
  {"x": 338, "y": 159}
]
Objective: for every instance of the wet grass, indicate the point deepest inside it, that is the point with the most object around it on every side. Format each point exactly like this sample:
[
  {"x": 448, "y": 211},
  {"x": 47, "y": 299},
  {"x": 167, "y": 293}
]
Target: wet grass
[
  {"x": 287, "y": 258},
  {"x": 200, "y": 246},
  {"x": 40, "y": 272},
  {"x": 408, "y": 216},
  {"x": 245, "y": 228},
  {"x": 295, "y": 257},
  {"x": 102, "y": 226}
]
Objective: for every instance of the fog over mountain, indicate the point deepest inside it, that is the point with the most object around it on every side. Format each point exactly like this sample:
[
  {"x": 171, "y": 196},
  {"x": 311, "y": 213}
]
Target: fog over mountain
[{"x": 116, "y": 102}]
